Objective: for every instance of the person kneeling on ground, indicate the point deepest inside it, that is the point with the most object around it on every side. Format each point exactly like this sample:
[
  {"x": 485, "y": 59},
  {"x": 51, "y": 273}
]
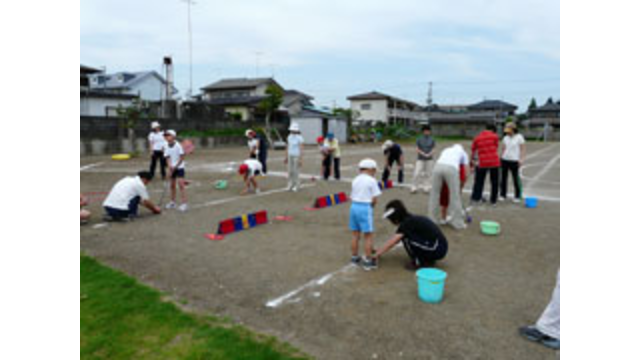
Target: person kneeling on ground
[
  {"x": 249, "y": 170},
  {"x": 84, "y": 214},
  {"x": 422, "y": 239},
  {"x": 125, "y": 196},
  {"x": 364, "y": 193}
]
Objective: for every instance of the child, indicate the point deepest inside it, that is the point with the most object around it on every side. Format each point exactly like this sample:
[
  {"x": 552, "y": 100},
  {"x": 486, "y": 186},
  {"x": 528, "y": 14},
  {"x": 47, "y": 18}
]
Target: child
[
  {"x": 364, "y": 190},
  {"x": 249, "y": 170},
  {"x": 444, "y": 196},
  {"x": 175, "y": 159}
]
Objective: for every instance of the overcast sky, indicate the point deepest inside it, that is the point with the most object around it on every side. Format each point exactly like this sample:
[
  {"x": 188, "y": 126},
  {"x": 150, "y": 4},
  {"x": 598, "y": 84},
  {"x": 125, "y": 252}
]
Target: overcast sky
[{"x": 469, "y": 49}]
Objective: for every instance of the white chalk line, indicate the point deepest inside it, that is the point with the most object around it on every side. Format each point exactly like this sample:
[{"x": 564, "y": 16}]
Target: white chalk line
[
  {"x": 527, "y": 166},
  {"x": 246, "y": 197},
  {"x": 89, "y": 166},
  {"x": 542, "y": 172},
  {"x": 287, "y": 298}
]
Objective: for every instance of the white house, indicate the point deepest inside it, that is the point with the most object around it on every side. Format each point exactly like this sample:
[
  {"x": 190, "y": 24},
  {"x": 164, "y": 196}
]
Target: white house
[
  {"x": 99, "y": 103},
  {"x": 148, "y": 85},
  {"x": 315, "y": 122},
  {"x": 378, "y": 107}
]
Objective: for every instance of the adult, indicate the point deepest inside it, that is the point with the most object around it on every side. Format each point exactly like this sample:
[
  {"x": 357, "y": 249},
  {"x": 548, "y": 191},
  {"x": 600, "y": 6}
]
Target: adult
[
  {"x": 157, "y": 144},
  {"x": 485, "y": 147},
  {"x": 547, "y": 329},
  {"x": 393, "y": 153},
  {"x": 252, "y": 143},
  {"x": 422, "y": 239},
  {"x": 513, "y": 153},
  {"x": 446, "y": 171},
  {"x": 333, "y": 158},
  {"x": 126, "y": 195},
  {"x": 293, "y": 157},
  {"x": 424, "y": 164}
]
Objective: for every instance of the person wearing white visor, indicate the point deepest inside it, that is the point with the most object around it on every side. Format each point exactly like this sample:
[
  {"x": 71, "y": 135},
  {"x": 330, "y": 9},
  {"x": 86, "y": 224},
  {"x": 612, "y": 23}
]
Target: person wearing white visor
[
  {"x": 157, "y": 143},
  {"x": 293, "y": 157},
  {"x": 364, "y": 193},
  {"x": 422, "y": 238}
]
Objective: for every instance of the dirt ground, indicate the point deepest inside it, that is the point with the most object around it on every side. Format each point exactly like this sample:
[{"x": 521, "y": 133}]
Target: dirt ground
[{"x": 319, "y": 303}]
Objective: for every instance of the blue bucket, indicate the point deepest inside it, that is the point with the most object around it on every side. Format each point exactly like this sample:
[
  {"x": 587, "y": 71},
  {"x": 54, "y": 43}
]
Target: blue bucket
[
  {"x": 431, "y": 284},
  {"x": 531, "y": 202}
]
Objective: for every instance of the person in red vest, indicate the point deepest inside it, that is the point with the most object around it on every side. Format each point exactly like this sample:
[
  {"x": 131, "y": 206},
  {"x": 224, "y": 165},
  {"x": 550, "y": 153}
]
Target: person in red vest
[{"x": 485, "y": 149}]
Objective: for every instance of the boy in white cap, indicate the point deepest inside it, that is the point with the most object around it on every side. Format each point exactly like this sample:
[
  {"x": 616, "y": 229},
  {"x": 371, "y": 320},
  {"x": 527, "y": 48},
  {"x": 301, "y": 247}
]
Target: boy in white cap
[
  {"x": 364, "y": 191},
  {"x": 156, "y": 149},
  {"x": 293, "y": 157},
  {"x": 175, "y": 158}
]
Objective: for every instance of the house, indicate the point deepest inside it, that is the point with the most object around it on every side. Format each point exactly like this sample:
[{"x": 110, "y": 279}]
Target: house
[
  {"x": 376, "y": 107},
  {"x": 295, "y": 101},
  {"x": 240, "y": 96},
  {"x": 316, "y": 122},
  {"x": 99, "y": 103},
  {"x": 498, "y": 108},
  {"x": 549, "y": 113},
  {"x": 147, "y": 85}
]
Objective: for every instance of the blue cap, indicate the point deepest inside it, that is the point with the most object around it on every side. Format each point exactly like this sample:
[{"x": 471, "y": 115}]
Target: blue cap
[{"x": 330, "y": 135}]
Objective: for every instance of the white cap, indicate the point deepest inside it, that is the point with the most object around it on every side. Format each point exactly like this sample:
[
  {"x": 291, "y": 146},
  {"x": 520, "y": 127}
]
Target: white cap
[
  {"x": 294, "y": 127},
  {"x": 249, "y": 131},
  {"x": 368, "y": 164},
  {"x": 387, "y": 144},
  {"x": 170, "y": 132},
  {"x": 155, "y": 124}
]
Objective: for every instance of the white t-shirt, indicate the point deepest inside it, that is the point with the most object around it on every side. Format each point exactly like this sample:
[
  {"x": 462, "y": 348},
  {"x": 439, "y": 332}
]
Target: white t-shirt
[
  {"x": 454, "y": 156},
  {"x": 512, "y": 147},
  {"x": 157, "y": 141},
  {"x": 124, "y": 191},
  {"x": 364, "y": 188},
  {"x": 174, "y": 153},
  {"x": 254, "y": 166},
  {"x": 293, "y": 144},
  {"x": 253, "y": 145}
]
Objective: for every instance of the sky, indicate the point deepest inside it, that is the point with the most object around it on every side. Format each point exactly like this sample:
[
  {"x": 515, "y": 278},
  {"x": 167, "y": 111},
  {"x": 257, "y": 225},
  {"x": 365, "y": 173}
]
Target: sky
[{"x": 469, "y": 49}]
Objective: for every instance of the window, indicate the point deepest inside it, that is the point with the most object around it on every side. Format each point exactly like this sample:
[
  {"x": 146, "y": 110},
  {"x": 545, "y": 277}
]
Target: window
[{"x": 365, "y": 106}]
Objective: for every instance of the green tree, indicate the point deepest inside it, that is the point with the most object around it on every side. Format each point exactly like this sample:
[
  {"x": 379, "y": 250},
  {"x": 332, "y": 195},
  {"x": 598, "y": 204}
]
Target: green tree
[
  {"x": 270, "y": 105},
  {"x": 533, "y": 104},
  {"x": 131, "y": 115},
  {"x": 350, "y": 115}
]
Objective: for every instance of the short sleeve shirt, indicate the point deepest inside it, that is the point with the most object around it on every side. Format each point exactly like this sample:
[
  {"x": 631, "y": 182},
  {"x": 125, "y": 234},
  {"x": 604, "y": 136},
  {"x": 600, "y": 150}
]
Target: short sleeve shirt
[
  {"x": 512, "y": 147},
  {"x": 333, "y": 145},
  {"x": 293, "y": 144},
  {"x": 394, "y": 152},
  {"x": 174, "y": 153},
  {"x": 364, "y": 188},
  {"x": 124, "y": 191},
  {"x": 426, "y": 144},
  {"x": 454, "y": 156},
  {"x": 157, "y": 141}
]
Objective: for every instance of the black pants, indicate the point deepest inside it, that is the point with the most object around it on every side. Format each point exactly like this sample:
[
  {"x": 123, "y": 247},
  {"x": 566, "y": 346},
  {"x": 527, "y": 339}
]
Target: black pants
[
  {"x": 118, "y": 214},
  {"x": 478, "y": 186},
  {"x": 158, "y": 155},
  {"x": 514, "y": 168},
  {"x": 262, "y": 157},
  {"x": 421, "y": 257},
  {"x": 387, "y": 170},
  {"x": 328, "y": 160}
]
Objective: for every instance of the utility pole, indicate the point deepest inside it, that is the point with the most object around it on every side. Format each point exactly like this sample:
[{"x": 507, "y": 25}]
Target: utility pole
[
  {"x": 430, "y": 94},
  {"x": 189, "y": 3}
]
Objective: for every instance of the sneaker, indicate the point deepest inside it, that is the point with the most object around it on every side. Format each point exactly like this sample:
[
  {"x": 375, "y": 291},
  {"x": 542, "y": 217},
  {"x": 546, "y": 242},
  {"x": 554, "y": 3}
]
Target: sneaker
[
  {"x": 517, "y": 201},
  {"x": 533, "y": 334},
  {"x": 369, "y": 264},
  {"x": 355, "y": 260},
  {"x": 442, "y": 222},
  {"x": 184, "y": 207},
  {"x": 502, "y": 199},
  {"x": 171, "y": 205},
  {"x": 413, "y": 190}
]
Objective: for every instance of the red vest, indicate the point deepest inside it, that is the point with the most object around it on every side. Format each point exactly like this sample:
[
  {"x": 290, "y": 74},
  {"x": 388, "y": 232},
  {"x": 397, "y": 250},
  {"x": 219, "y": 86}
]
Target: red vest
[{"x": 486, "y": 145}]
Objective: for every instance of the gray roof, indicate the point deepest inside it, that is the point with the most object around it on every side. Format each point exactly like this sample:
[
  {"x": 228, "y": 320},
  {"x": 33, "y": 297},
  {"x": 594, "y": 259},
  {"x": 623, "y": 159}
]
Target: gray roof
[
  {"x": 88, "y": 70},
  {"x": 124, "y": 80},
  {"x": 240, "y": 100},
  {"x": 239, "y": 83},
  {"x": 548, "y": 107},
  {"x": 292, "y": 96},
  {"x": 493, "y": 105},
  {"x": 375, "y": 95}
]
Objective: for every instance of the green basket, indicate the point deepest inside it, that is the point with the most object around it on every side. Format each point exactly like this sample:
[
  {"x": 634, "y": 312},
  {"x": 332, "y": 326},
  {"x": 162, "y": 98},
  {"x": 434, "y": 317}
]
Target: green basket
[
  {"x": 221, "y": 184},
  {"x": 490, "y": 227}
]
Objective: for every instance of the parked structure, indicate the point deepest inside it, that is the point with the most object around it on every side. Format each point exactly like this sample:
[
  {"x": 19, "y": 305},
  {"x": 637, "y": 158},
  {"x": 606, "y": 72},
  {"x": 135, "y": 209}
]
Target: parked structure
[
  {"x": 315, "y": 122},
  {"x": 147, "y": 85},
  {"x": 378, "y": 107}
]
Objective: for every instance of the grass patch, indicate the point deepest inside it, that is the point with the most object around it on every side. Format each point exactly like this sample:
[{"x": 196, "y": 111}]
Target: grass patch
[{"x": 123, "y": 319}]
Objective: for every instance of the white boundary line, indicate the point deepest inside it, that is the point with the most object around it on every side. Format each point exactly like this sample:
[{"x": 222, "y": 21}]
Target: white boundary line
[
  {"x": 89, "y": 166},
  {"x": 246, "y": 197},
  {"x": 542, "y": 172}
]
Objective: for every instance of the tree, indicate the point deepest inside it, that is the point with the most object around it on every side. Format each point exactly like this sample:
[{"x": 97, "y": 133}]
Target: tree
[
  {"x": 270, "y": 105},
  {"x": 132, "y": 114},
  {"x": 532, "y": 104},
  {"x": 350, "y": 115}
]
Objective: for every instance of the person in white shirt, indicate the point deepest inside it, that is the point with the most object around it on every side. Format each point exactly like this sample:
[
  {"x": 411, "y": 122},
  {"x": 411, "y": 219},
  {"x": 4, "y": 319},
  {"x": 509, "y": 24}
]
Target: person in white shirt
[
  {"x": 253, "y": 144},
  {"x": 513, "y": 153},
  {"x": 293, "y": 157},
  {"x": 125, "y": 196},
  {"x": 157, "y": 144},
  {"x": 175, "y": 158},
  {"x": 446, "y": 171},
  {"x": 364, "y": 193},
  {"x": 249, "y": 170}
]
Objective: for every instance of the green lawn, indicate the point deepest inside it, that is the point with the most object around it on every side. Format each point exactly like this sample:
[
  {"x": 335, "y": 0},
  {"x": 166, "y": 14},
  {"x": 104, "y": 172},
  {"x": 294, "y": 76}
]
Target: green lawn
[{"x": 123, "y": 319}]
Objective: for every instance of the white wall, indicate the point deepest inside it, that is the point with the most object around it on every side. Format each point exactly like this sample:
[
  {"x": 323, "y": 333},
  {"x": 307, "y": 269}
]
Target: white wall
[
  {"x": 98, "y": 106},
  {"x": 151, "y": 89},
  {"x": 339, "y": 129},
  {"x": 310, "y": 128},
  {"x": 378, "y": 112}
]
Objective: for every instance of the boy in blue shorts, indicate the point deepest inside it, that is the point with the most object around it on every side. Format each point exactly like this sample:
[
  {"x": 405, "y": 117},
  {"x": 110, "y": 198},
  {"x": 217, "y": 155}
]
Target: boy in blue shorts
[
  {"x": 174, "y": 154},
  {"x": 364, "y": 191}
]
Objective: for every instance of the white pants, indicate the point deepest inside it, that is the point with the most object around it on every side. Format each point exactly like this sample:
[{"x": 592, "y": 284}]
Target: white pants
[
  {"x": 422, "y": 175},
  {"x": 293, "y": 167},
  {"x": 549, "y": 322},
  {"x": 445, "y": 174}
]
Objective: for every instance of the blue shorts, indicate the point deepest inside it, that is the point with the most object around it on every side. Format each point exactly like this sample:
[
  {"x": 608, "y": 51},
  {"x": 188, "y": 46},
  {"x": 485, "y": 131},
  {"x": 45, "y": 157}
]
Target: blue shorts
[
  {"x": 178, "y": 173},
  {"x": 361, "y": 217}
]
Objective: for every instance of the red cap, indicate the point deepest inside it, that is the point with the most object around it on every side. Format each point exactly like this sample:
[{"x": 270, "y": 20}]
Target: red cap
[
  {"x": 243, "y": 169},
  {"x": 319, "y": 139}
]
